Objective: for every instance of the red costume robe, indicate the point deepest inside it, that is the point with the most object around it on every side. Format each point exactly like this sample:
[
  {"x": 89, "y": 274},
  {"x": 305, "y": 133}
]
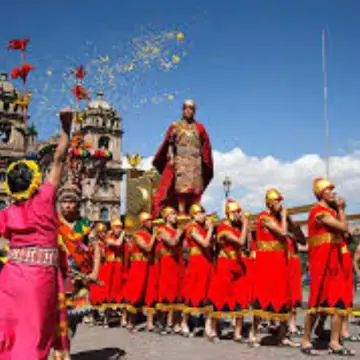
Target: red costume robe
[
  {"x": 134, "y": 291},
  {"x": 329, "y": 288},
  {"x": 166, "y": 195},
  {"x": 171, "y": 274},
  {"x": 230, "y": 291},
  {"x": 295, "y": 275},
  {"x": 197, "y": 274},
  {"x": 152, "y": 282},
  {"x": 99, "y": 294},
  {"x": 115, "y": 278},
  {"x": 272, "y": 288}
]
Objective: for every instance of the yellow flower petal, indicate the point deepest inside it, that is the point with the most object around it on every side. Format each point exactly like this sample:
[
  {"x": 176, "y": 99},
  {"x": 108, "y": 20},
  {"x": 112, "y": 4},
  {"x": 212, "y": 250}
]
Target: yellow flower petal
[
  {"x": 180, "y": 36},
  {"x": 175, "y": 59}
]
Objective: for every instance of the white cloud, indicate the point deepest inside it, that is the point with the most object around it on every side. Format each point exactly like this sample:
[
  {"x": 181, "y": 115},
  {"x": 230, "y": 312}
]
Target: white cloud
[{"x": 252, "y": 175}]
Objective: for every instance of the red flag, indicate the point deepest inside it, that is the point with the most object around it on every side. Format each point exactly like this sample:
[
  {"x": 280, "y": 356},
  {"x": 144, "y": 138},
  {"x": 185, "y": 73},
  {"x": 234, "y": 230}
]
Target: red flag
[
  {"x": 22, "y": 72},
  {"x": 18, "y": 44}
]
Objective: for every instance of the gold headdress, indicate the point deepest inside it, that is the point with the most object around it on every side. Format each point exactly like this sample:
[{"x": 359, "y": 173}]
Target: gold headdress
[
  {"x": 231, "y": 206},
  {"x": 167, "y": 211},
  {"x": 196, "y": 209},
  {"x": 322, "y": 184},
  {"x": 116, "y": 222},
  {"x": 144, "y": 216},
  {"x": 35, "y": 181},
  {"x": 272, "y": 195},
  {"x": 100, "y": 227}
]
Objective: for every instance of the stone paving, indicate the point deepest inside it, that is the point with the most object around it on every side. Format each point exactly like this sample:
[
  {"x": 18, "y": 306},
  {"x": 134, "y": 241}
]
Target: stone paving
[{"x": 116, "y": 343}]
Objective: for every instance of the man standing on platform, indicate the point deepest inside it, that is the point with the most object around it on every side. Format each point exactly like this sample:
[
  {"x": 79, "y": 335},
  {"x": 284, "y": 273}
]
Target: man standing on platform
[{"x": 185, "y": 163}]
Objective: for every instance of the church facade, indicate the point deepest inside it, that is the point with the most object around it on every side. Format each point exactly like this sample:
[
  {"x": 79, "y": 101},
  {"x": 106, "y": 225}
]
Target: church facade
[{"x": 101, "y": 126}]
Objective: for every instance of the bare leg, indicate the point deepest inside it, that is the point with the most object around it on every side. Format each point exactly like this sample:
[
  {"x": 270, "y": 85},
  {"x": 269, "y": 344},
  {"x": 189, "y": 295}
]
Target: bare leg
[
  {"x": 177, "y": 321},
  {"x": 254, "y": 332},
  {"x": 185, "y": 324},
  {"x": 308, "y": 326},
  {"x": 292, "y": 324},
  {"x": 238, "y": 328},
  {"x": 345, "y": 327},
  {"x": 124, "y": 318},
  {"x": 336, "y": 325},
  {"x": 150, "y": 321},
  {"x": 209, "y": 328}
]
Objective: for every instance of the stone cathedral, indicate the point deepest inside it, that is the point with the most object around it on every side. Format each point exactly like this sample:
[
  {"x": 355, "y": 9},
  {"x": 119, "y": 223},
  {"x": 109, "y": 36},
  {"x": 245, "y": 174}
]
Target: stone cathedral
[{"x": 101, "y": 126}]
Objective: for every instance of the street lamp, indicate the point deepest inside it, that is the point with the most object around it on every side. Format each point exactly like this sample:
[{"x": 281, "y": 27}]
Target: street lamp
[{"x": 227, "y": 185}]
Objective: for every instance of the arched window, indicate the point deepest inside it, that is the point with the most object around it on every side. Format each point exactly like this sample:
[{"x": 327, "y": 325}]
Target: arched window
[
  {"x": 104, "y": 214},
  {"x": 104, "y": 143},
  {"x": 2, "y": 204}
]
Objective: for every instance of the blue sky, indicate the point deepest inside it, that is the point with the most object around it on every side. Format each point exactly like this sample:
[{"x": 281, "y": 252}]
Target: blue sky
[{"x": 254, "y": 67}]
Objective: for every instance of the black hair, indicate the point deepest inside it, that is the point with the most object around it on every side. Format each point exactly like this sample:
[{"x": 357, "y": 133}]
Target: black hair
[{"x": 19, "y": 178}]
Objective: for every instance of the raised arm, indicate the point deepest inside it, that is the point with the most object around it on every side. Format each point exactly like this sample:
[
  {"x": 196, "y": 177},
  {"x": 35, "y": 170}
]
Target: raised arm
[
  {"x": 168, "y": 239},
  {"x": 338, "y": 224},
  {"x": 204, "y": 242},
  {"x": 280, "y": 231},
  {"x": 241, "y": 240},
  {"x": 54, "y": 176},
  {"x": 118, "y": 242},
  {"x": 143, "y": 245}
]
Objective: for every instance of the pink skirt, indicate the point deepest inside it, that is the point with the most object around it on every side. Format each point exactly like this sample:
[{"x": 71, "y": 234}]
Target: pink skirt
[{"x": 28, "y": 311}]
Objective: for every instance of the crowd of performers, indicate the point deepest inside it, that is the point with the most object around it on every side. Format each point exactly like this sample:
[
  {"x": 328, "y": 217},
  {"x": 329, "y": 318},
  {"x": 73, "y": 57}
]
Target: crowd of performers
[{"x": 61, "y": 269}]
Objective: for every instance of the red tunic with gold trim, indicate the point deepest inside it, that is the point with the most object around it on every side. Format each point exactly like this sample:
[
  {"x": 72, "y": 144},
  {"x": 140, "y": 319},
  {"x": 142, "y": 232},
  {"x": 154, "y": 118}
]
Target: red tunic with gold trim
[
  {"x": 115, "y": 275},
  {"x": 229, "y": 291},
  {"x": 171, "y": 273},
  {"x": 198, "y": 272},
  {"x": 98, "y": 294},
  {"x": 295, "y": 275},
  {"x": 272, "y": 290},
  {"x": 134, "y": 291},
  {"x": 329, "y": 291},
  {"x": 152, "y": 283}
]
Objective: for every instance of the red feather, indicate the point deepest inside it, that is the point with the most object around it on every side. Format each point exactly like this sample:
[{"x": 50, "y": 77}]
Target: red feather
[
  {"x": 18, "y": 44},
  {"x": 22, "y": 72},
  {"x": 79, "y": 72},
  {"x": 81, "y": 93}
]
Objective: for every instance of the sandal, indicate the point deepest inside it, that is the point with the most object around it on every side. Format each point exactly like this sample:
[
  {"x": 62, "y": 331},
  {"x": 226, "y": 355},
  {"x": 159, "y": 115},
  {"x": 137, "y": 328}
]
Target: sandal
[
  {"x": 343, "y": 351},
  {"x": 309, "y": 351},
  {"x": 289, "y": 343},
  {"x": 239, "y": 339}
]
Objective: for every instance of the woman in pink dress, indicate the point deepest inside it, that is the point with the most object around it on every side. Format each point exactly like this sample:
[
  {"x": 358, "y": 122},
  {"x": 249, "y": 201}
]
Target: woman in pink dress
[{"x": 30, "y": 280}]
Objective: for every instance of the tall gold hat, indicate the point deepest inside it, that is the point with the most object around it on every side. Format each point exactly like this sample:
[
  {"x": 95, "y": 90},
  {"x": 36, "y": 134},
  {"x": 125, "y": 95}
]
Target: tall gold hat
[
  {"x": 167, "y": 211},
  {"x": 144, "y": 216},
  {"x": 196, "y": 209},
  {"x": 273, "y": 195},
  {"x": 322, "y": 184},
  {"x": 116, "y": 222},
  {"x": 231, "y": 206}
]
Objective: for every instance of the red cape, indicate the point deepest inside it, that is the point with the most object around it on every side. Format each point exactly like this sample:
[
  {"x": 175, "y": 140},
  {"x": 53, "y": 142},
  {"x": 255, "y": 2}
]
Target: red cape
[{"x": 166, "y": 193}]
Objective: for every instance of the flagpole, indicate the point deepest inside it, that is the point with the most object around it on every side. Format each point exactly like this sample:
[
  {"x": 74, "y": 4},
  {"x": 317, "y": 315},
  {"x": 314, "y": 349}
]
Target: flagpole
[{"x": 326, "y": 120}]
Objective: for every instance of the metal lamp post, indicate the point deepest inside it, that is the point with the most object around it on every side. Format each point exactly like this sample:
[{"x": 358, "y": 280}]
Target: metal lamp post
[{"x": 227, "y": 186}]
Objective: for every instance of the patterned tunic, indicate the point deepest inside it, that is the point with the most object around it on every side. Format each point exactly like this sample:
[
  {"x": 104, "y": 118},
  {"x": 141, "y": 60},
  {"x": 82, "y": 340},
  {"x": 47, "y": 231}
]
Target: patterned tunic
[{"x": 188, "y": 160}]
